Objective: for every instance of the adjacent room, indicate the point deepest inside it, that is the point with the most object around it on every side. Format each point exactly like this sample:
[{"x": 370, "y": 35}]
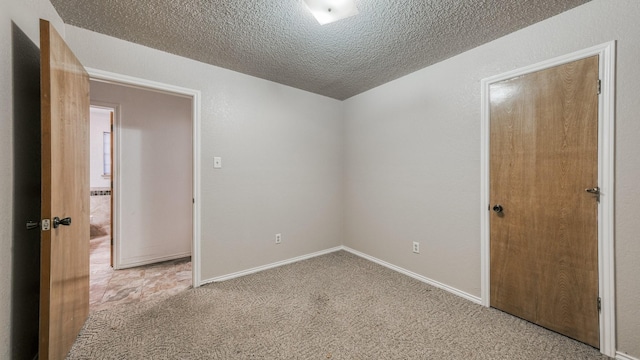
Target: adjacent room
[
  {"x": 141, "y": 142},
  {"x": 320, "y": 180}
]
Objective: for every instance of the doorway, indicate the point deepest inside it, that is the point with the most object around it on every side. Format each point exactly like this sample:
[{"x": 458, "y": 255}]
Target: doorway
[
  {"x": 153, "y": 167},
  {"x": 100, "y": 142},
  {"x": 100, "y": 201},
  {"x": 194, "y": 96},
  {"x": 604, "y": 85}
]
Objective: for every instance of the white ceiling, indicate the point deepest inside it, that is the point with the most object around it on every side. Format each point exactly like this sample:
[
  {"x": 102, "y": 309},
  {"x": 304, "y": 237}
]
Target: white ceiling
[{"x": 279, "y": 40}]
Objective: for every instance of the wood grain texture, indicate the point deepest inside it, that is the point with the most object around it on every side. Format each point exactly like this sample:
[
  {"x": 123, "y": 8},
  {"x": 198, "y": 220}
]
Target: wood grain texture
[
  {"x": 64, "y": 300},
  {"x": 544, "y": 260}
]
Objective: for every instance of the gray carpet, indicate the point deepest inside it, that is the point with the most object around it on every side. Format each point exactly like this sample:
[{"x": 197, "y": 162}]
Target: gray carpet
[{"x": 337, "y": 306}]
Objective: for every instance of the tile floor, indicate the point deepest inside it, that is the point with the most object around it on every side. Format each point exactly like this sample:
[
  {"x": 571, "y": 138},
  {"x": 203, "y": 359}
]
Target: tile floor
[{"x": 150, "y": 282}]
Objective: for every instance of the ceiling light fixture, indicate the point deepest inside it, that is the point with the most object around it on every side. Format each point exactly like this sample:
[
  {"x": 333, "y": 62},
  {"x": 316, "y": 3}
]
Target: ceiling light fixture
[{"x": 327, "y": 11}]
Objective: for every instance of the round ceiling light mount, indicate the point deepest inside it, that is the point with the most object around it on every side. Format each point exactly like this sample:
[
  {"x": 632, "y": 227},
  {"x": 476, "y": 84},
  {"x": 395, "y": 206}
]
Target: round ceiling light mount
[{"x": 328, "y": 11}]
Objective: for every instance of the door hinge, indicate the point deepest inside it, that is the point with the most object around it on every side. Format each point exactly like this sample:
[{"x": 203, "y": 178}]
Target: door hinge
[
  {"x": 599, "y": 86},
  {"x": 599, "y": 304}
]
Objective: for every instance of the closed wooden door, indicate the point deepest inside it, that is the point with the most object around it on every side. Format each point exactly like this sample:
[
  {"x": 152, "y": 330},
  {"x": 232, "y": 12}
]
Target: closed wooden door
[
  {"x": 64, "y": 283},
  {"x": 544, "y": 247}
]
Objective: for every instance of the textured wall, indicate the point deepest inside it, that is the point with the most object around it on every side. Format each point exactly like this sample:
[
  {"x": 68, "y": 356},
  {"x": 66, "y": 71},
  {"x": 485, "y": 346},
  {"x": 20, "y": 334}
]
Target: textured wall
[
  {"x": 25, "y": 15},
  {"x": 413, "y": 155},
  {"x": 281, "y": 152}
]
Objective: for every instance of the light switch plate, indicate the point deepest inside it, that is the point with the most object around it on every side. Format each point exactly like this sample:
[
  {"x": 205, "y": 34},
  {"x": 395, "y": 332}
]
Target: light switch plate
[{"x": 217, "y": 162}]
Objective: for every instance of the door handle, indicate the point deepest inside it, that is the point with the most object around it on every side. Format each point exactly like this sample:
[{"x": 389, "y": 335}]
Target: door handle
[
  {"x": 497, "y": 208},
  {"x": 57, "y": 222},
  {"x": 595, "y": 191}
]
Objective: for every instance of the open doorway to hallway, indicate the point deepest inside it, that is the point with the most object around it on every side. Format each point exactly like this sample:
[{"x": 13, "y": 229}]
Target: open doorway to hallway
[{"x": 131, "y": 259}]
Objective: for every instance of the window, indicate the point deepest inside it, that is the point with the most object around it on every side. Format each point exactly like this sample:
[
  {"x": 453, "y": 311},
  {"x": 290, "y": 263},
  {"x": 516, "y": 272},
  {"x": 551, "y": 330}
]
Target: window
[{"x": 106, "y": 153}]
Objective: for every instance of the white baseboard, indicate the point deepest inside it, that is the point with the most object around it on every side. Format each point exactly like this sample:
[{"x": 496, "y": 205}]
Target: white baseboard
[
  {"x": 126, "y": 265},
  {"x": 418, "y": 277},
  {"x": 269, "y": 266},
  {"x": 623, "y": 356}
]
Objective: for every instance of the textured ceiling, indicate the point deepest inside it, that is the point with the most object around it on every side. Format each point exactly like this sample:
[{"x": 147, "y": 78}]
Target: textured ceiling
[{"x": 279, "y": 40}]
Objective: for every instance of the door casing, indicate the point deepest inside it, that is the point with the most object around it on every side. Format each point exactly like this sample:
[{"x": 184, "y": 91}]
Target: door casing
[
  {"x": 606, "y": 152},
  {"x": 195, "y": 96},
  {"x": 115, "y": 109}
]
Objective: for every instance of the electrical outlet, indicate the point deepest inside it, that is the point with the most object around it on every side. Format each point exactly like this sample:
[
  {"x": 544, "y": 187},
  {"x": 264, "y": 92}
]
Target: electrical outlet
[
  {"x": 278, "y": 238},
  {"x": 416, "y": 247},
  {"x": 217, "y": 162}
]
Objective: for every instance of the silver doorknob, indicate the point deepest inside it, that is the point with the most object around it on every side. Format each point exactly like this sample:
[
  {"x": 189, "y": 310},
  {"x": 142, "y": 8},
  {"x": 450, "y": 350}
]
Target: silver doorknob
[
  {"x": 595, "y": 191},
  {"x": 497, "y": 208}
]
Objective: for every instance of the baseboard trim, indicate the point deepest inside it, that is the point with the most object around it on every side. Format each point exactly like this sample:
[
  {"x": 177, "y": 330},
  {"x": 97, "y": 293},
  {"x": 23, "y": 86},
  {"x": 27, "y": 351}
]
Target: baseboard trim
[
  {"x": 154, "y": 260},
  {"x": 418, "y": 277},
  {"x": 623, "y": 356},
  {"x": 269, "y": 266},
  {"x": 424, "y": 279}
]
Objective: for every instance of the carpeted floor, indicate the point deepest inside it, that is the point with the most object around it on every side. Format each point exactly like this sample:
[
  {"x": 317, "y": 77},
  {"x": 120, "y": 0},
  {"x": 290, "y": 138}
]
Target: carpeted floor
[{"x": 337, "y": 306}]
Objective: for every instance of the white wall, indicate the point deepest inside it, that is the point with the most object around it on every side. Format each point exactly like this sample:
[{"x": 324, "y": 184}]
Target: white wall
[
  {"x": 25, "y": 14},
  {"x": 281, "y": 151},
  {"x": 413, "y": 155},
  {"x": 100, "y": 123},
  {"x": 154, "y": 176}
]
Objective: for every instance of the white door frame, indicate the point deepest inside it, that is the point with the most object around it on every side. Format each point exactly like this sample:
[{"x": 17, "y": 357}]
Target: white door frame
[
  {"x": 195, "y": 96},
  {"x": 606, "y": 152}
]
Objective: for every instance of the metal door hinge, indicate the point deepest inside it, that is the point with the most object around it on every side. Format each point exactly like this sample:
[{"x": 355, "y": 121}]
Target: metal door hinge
[
  {"x": 599, "y": 86},
  {"x": 599, "y": 304}
]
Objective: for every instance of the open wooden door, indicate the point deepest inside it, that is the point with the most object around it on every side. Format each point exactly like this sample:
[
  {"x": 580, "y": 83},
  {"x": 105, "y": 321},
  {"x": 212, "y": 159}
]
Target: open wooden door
[{"x": 64, "y": 282}]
